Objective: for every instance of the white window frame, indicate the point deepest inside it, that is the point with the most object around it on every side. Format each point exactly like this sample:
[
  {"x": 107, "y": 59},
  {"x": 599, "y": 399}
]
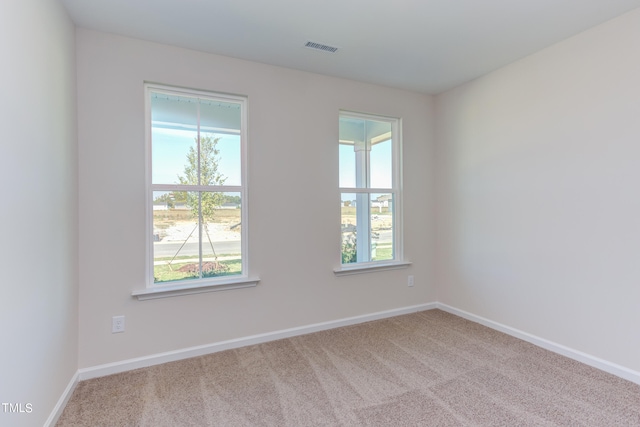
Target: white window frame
[
  {"x": 363, "y": 215},
  {"x": 209, "y": 284}
]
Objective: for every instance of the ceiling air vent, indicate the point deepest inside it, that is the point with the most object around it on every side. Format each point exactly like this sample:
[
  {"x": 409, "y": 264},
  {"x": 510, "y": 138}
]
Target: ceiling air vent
[{"x": 320, "y": 46}]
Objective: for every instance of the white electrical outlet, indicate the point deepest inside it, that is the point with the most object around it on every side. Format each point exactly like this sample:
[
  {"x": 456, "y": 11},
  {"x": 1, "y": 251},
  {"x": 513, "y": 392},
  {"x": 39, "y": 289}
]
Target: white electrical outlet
[
  {"x": 117, "y": 324},
  {"x": 410, "y": 281}
]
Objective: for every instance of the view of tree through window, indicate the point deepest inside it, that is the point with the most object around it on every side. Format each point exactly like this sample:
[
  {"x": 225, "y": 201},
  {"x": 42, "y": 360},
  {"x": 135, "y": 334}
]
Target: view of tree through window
[{"x": 196, "y": 185}]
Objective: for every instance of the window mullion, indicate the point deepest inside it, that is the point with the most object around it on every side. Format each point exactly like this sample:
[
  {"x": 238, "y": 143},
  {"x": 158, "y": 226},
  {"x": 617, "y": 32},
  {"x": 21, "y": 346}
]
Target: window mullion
[
  {"x": 362, "y": 204},
  {"x": 367, "y": 190},
  {"x": 200, "y": 225},
  {"x": 184, "y": 187},
  {"x": 363, "y": 227}
]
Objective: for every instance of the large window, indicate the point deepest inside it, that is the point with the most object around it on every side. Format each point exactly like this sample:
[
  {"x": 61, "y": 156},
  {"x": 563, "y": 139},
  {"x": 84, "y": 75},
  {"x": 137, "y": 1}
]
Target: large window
[
  {"x": 197, "y": 189},
  {"x": 370, "y": 196}
]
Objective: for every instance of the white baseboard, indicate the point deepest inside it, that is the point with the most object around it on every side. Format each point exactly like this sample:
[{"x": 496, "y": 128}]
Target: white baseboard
[
  {"x": 585, "y": 358},
  {"x": 171, "y": 356},
  {"x": 62, "y": 402}
]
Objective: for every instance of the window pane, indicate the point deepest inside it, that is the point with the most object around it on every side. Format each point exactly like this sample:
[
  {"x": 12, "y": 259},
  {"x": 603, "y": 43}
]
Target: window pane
[
  {"x": 176, "y": 242},
  {"x": 221, "y": 236},
  {"x": 353, "y": 153},
  {"x": 382, "y": 227},
  {"x": 347, "y": 160},
  {"x": 173, "y": 136},
  {"x": 349, "y": 229},
  {"x": 220, "y": 117},
  {"x": 229, "y": 164},
  {"x": 209, "y": 164},
  {"x": 177, "y": 233},
  {"x": 221, "y": 121},
  {"x": 381, "y": 164}
]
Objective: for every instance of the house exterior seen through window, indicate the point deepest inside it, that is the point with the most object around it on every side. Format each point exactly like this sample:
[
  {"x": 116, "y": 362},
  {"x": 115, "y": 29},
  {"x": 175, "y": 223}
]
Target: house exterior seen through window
[
  {"x": 196, "y": 200},
  {"x": 369, "y": 180}
]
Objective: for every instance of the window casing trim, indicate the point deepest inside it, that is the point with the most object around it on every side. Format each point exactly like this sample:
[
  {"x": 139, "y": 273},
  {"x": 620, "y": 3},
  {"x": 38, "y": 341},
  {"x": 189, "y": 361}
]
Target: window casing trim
[
  {"x": 369, "y": 267},
  {"x": 396, "y": 191},
  {"x": 160, "y": 290},
  {"x": 179, "y": 289}
]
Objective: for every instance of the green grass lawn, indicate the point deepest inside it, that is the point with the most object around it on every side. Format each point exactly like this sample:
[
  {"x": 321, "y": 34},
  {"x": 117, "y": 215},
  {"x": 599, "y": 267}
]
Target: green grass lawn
[
  {"x": 164, "y": 273},
  {"x": 383, "y": 253}
]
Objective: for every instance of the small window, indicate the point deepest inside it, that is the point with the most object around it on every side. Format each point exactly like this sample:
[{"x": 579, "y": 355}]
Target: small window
[
  {"x": 370, "y": 196},
  {"x": 197, "y": 187}
]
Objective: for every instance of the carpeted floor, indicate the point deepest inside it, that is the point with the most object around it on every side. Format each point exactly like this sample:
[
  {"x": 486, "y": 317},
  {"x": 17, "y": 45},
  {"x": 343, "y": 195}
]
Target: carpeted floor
[{"x": 425, "y": 369}]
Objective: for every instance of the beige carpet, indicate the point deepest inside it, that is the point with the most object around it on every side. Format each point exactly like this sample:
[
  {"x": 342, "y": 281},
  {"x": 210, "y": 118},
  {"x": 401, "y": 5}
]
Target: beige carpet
[{"x": 425, "y": 369}]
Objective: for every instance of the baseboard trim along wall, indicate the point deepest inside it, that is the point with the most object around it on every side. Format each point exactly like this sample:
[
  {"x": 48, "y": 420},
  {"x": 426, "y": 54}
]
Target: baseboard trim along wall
[
  {"x": 171, "y": 356},
  {"x": 62, "y": 402},
  {"x": 603, "y": 365}
]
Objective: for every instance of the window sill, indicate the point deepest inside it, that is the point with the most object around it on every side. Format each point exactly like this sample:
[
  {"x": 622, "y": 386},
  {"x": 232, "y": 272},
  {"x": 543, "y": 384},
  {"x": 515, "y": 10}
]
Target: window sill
[
  {"x": 165, "y": 291},
  {"x": 347, "y": 270}
]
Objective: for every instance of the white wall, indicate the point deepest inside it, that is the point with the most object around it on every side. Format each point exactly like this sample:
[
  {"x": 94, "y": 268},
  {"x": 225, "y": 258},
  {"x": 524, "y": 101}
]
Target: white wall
[
  {"x": 293, "y": 125},
  {"x": 538, "y": 200},
  {"x": 38, "y": 158}
]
